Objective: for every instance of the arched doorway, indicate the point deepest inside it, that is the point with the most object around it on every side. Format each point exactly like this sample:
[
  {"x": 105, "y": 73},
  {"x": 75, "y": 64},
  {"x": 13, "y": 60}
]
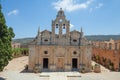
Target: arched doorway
[
  {"x": 74, "y": 64},
  {"x": 45, "y": 63}
]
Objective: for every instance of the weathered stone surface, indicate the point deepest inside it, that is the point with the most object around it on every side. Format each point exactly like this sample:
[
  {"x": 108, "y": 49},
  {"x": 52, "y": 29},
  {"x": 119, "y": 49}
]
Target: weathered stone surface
[{"x": 60, "y": 50}]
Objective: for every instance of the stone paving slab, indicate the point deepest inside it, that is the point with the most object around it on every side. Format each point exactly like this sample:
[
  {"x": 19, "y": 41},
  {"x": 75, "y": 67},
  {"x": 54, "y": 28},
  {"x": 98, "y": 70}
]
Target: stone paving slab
[{"x": 14, "y": 75}]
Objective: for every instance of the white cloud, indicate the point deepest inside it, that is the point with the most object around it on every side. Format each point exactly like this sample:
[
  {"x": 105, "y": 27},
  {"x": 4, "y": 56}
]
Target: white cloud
[
  {"x": 71, "y": 5},
  {"x": 71, "y": 26},
  {"x": 13, "y": 12},
  {"x": 99, "y": 5}
]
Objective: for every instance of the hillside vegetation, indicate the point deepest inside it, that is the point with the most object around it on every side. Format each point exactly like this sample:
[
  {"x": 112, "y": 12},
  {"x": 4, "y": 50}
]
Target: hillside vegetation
[
  {"x": 103, "y": 37},
  {"x": 25, "y": 41}
]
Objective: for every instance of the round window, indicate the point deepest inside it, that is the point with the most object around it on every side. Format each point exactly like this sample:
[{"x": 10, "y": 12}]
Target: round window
[
  {"x": 74, "y": 52},
  {"x": 74, "y": 40},
  {"x": 46, "y": 40},
  {"x": 45, "y": 52}
]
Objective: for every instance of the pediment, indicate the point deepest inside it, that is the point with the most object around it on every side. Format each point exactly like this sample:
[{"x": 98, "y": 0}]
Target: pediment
[
  {"x": 75, "y": 31},
  {"x": 46, "y": 31}
]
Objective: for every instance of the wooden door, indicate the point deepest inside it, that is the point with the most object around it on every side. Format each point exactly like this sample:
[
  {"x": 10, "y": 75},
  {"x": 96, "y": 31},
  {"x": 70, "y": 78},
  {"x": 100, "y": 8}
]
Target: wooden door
[{"x": 60, "y": 63}]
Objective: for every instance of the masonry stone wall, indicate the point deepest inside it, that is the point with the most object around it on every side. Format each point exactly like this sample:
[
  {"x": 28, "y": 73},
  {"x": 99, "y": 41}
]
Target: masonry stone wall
[
  {"x": 54, "y": 52},
  {"x": 60, "y": 52}
]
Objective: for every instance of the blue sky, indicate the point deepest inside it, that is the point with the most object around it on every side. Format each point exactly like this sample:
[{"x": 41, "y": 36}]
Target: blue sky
[{"x": 96, "y": 17}]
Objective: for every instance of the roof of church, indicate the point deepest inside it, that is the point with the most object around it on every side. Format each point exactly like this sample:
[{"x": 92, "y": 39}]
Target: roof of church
[
  {"x": 46, "y": 31},
  {"x": 74, "y": 31}
]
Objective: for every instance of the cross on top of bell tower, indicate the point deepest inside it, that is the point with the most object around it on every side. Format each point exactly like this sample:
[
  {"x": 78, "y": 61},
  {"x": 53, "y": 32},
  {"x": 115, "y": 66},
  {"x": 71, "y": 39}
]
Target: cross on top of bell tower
[{"x": 60, "y": 13}]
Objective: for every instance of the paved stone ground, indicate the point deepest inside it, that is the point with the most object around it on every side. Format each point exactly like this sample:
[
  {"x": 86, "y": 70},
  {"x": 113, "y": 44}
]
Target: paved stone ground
[
  {"x": 14, "y": 72},
  {"x": 13, "y": 75},
  {"x": 60, "y": 75}
]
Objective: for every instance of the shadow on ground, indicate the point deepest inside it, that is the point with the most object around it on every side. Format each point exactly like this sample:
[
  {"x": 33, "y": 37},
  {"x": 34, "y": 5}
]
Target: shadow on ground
[
  {"x": 2, "y": 78},
  {"x": 25, "y": 71}
]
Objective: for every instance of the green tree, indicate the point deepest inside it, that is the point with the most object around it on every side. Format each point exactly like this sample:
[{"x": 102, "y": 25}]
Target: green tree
[
  {"x": 17, "y": 52},
  {"x": 6, "y": 35}
]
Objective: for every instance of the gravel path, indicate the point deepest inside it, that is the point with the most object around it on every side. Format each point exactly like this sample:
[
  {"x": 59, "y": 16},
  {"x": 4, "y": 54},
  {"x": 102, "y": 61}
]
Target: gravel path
[{"x": 17, "y": 64}]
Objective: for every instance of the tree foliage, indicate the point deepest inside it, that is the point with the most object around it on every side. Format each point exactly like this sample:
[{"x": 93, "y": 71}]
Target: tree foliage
[
  {"x": 6, "y": 35},
  {"x": 17, "y": 52}
]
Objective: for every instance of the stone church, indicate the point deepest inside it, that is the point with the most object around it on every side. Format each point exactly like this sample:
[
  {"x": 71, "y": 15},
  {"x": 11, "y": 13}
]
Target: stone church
[{"x": 60, "y": 49}]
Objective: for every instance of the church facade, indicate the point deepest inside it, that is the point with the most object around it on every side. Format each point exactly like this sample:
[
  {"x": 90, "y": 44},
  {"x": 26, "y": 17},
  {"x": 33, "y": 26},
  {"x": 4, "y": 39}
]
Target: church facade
[{"x": 60, "y": 49}]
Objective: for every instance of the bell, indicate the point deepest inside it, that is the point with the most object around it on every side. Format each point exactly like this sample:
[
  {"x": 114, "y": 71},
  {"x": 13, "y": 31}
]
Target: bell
[{"x": 56, "y": 25}]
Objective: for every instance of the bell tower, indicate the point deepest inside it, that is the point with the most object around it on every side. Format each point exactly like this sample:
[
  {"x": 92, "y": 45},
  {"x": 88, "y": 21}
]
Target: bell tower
[{"x": 61, "y": 25}]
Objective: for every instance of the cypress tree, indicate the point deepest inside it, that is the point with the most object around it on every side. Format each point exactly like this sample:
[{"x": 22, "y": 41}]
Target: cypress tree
[{"x": 6, "y": 35}]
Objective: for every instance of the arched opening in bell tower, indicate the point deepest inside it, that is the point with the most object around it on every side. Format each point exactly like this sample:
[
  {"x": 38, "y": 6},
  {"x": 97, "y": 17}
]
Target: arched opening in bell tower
[
  {"x": 63, "y": 29},
  {"x": 56, "y": 28}
]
